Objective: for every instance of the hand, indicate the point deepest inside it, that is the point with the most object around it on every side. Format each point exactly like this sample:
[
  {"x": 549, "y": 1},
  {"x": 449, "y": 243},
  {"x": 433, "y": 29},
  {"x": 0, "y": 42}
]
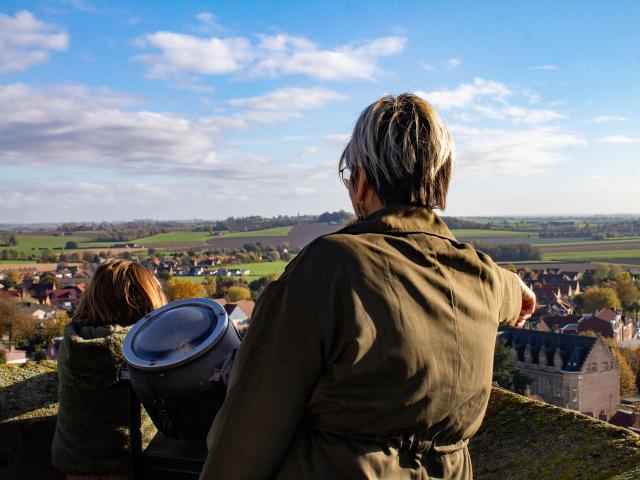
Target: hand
[{"x": 528, "y": 303}]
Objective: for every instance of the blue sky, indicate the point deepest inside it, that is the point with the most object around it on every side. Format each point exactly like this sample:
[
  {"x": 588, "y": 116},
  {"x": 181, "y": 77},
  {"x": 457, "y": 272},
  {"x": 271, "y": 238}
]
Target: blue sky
[{"x": 177, "y": 110}]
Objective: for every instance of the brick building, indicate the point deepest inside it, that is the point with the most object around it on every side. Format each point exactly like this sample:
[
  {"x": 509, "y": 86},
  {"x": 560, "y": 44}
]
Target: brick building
[{"x": 569, "y": 371}]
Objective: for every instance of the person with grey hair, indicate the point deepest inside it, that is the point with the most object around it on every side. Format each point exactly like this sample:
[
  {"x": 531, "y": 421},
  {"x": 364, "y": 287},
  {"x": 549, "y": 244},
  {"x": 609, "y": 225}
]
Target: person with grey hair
[{"x": 371, "y": 356}]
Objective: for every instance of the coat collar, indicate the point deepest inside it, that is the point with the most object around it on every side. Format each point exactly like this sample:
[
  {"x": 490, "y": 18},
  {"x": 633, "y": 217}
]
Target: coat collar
[{"x": 401, "y": 219}]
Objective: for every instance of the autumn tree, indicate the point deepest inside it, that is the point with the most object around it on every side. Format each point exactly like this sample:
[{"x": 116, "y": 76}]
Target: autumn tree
[
  {"x": 13, "y": 279},
  {"x": 597, "y": 298},
  {"x": 632, "y": 356},
  {"x": 49, "y": 277},
  {"x": 627, "y": 377},
  {"x": 626, "y": 290},
  {"x": 15, "y": 323},
  {"x": 54, "y": 327},
  {"x": 210, "y": 286},
  {"x": 237, "y": 293},
  {"x": 178, "y": 289}
]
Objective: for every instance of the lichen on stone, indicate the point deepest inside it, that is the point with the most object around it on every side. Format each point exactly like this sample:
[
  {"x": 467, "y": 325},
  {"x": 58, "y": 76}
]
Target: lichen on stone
[{"x": 526, "y": 439}]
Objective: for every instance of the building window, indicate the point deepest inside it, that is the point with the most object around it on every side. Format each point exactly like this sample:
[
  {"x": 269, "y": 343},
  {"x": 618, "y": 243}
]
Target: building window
[
  {"x": 594, "y": 367},
  {"x": 605, "y": 366}
]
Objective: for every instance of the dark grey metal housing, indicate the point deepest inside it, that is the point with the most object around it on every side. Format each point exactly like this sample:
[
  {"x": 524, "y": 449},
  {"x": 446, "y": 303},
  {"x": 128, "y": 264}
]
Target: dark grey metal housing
[{"x": 175, "y": 356}]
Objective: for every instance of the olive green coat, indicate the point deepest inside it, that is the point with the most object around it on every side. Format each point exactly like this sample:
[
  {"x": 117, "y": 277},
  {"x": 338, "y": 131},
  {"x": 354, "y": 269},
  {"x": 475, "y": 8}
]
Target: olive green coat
[
  {"x": 92, "y": 428},
  {"x": 371, "y": 357}
]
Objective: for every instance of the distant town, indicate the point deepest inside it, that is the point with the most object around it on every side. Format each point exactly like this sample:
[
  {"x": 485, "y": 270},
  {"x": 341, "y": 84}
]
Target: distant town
[{"x": 581, "y": 349}]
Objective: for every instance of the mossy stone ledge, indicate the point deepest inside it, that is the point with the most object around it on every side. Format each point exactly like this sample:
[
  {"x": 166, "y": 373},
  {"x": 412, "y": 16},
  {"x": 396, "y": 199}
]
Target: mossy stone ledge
[{"x": 519, "y": 439}]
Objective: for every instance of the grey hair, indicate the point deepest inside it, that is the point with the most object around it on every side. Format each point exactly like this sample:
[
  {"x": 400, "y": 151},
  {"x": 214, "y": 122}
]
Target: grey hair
[{"x": 405, "y": 151}]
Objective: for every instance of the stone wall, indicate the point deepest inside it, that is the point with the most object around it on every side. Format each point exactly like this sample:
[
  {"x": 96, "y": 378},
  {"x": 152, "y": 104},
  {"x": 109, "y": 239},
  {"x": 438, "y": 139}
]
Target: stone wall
[
  {"x": 599, "y": 390},
  {"x": 519, "y": 438}
]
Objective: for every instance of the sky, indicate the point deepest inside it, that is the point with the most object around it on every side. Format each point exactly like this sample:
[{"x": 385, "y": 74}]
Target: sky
[{"x": 180, "y": 110}]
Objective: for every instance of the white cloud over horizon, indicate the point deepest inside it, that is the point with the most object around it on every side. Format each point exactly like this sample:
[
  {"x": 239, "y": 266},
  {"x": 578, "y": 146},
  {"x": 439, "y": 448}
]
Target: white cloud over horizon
[
  {"x": 452, "y": 64},
  {"x": 489, "y": 99},
  {"x": 618, "y": 139},
  {"x": 544, "y": 67},
  {"x": 609, "y": 119},
  {"x": 269, "y": 56},
  {"x": 490, "y": 151},
  {"x": 26, "y": 41}
]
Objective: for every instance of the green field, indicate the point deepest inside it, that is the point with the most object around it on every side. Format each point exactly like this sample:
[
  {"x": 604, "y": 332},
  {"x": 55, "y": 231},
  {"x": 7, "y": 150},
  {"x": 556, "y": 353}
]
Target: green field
[
  {"x": 173, "y": 237},
  {"x": 591, "y": 255},
  {"x": 267, "y": 232},
  {"x": 569, "y": 243},
  {"x": 476, "y": 232},
  {"x": 32, "y": 243},
  {"x": 258, "y": 269}
]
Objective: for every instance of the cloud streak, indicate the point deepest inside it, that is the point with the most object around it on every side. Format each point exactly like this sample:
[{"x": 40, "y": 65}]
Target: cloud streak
[
  {"x": 270, "y": 56},
  {"x": 26, "y": 41}
]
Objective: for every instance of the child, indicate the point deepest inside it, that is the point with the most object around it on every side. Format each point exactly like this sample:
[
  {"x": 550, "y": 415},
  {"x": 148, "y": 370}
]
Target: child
[{"x": 92, "y": 435}]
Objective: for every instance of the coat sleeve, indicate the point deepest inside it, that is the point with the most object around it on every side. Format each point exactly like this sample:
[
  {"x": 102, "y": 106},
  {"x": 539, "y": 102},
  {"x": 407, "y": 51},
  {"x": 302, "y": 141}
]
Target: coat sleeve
[
  {"x": 274, "y": 373},
  {"x": 510, "y": 297}
]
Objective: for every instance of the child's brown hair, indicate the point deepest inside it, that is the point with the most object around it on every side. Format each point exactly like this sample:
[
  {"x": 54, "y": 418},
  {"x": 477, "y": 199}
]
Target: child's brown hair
[{"x": 121, "y": 292}]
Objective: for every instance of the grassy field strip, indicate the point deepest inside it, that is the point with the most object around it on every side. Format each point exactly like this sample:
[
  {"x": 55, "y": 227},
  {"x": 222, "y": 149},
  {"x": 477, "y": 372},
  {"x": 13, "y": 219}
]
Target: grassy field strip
[
  {"x": 267, "y": 232},
  {"x": 173, "y": 237},
  {"x": 257, "y": 269},
  {"x": 590, "y": 242},
  {"x": 475, "y": 232},
  {"x": 29, "y": 243},
  {"x": 593, "y": 255}
]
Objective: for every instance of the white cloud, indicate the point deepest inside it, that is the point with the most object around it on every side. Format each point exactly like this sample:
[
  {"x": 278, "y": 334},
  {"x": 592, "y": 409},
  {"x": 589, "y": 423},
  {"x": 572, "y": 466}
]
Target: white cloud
[
  {"x": 618, "y": 139},
  {"x": 289, "y": 98},
  {"x": 207, "y": 24},
  {"x": 272, "y": 55},
  {"x": 427, "y": 66},
  {"x": 484, "y": 151},
  {"x": 186, "y": 53},
  {"x": 26, "y": 41},
  {"x": 489, "y": 99},
  {"x": 289, "y": 55},
  {"x": 608, "y": 119},
  {"x": 309, "y": 151},
  {"x": 544, "y": 67},
  {"x": 465, "y": 94},
  {"x": 73, "y": 125},
  {"x": 452, "y": 63},
  {"x": 339, "y": 138},
  {"x": 255, "y": 185},
  {"x": 272, "y": 108}
]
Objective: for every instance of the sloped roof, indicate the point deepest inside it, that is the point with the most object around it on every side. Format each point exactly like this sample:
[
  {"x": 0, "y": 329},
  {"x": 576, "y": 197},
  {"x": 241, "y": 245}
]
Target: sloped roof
[
  {"x": 607, "y": 314},
  {"x": 573, "y": 348}
]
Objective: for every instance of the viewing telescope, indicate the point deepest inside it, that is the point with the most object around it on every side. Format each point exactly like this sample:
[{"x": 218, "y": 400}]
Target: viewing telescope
[{"x": 177, "y": 361}]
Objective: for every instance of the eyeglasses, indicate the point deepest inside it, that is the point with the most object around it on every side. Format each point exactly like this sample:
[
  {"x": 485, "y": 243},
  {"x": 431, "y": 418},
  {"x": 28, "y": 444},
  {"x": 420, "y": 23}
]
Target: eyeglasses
[{"x": 346, "y": 174}]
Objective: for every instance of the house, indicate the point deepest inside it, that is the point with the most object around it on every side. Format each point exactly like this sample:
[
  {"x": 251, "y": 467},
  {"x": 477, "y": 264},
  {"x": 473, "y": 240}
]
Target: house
[
  {"x": 609, "y": 324},
  {"x": 37, "y": 311},
  {"x": 569, "y": 371},
  {"x": 39, "y": 291},
  {"x": 16, "y": 356},
  {"x": 239, "y": 312},
  {"x": 64, "y": 299},
  {"x": 626, "y": 417},
  {"x": 556, "y": 323}
]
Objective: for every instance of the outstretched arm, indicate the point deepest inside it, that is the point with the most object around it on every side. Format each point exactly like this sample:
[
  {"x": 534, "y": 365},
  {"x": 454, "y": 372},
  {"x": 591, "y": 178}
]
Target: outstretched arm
[{"x": 274, "y": 373}]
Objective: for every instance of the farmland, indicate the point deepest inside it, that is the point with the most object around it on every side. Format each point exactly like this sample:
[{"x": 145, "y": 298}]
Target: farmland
[
  {"x": 257, "y": 269},
  {"x": 172, "y": 238},
  {"x": 28, "y": 244},
  {"x": 267, "y": 232}
]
